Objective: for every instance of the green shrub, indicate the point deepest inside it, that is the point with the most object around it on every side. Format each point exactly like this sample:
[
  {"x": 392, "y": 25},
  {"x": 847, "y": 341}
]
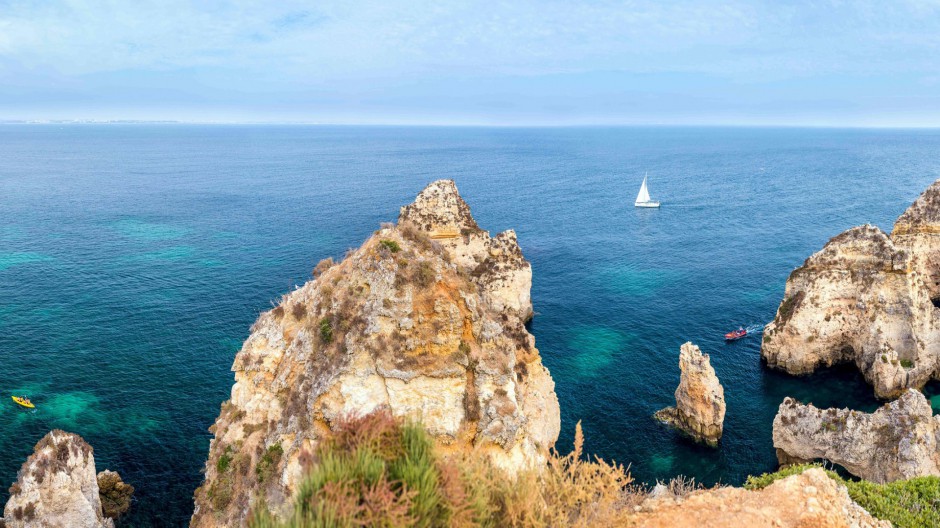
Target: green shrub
[
  {"x": 269, "y": 461},
  {"x": 222, "y": 464},
  {"x": 907, "y": 363},
  {"x": 391, "y": 245},
  {"x": 906, "y": 503},
  {"x": 326, "y": 330}
]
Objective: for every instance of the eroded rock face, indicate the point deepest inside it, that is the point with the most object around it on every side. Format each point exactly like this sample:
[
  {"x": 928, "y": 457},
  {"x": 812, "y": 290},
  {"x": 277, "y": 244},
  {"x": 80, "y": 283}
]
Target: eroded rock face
[
  {"x": 700, "y": 398},
  {"x": 425, "y": 319},
  {"x": 808, "y": 499},
  {"x": 898, "y": 441},
  {"x": 57, "y": 487},
  {"x": 866, "y": 298},
  {"x": 918, "y": 231}
]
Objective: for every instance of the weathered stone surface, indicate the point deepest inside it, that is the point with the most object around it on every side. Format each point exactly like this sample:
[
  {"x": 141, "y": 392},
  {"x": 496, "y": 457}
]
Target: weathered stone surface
[
  {"x": 425, "y": 319},
  {"x": 918, "y": 231},
  {"x": 866, "y": 298},
  {"x": 57, "y": 487},
  {"x": 898, "y": 441},
  {"x": 700, "y": 398},
  {"x": 810, "y": 499}
]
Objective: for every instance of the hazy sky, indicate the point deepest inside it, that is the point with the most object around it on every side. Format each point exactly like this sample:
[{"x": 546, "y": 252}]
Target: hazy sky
[{"x": 519, "y": 62}]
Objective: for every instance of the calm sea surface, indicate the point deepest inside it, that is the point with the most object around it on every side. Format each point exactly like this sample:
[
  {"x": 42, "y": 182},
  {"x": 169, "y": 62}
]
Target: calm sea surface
[{"x": 133, "y": 260}]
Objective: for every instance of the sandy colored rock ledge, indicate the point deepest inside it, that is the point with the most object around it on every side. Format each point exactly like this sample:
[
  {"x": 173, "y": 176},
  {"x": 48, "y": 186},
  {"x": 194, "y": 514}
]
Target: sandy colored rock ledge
[
  {"x": 896, "y": 442},
  {"x": 810, "y": 499},
  {"x": 700, "y": 398}
]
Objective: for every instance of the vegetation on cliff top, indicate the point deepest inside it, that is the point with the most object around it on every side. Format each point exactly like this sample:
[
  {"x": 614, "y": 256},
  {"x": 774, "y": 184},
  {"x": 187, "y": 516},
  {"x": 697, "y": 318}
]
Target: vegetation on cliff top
[
  {"x": 377, "y": 471},
  {"x": 913, "y": 503}
]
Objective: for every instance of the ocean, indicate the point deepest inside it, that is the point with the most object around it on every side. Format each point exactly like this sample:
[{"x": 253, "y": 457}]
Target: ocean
[{"x": 134, "y": 258}]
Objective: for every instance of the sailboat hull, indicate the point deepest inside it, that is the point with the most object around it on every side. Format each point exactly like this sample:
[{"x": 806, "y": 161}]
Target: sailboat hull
[{"x": 646, "y": 204}]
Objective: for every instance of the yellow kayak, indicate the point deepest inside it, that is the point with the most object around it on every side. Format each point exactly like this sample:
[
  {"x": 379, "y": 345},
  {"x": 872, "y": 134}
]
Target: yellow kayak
[{"x": 24, "y": 402}]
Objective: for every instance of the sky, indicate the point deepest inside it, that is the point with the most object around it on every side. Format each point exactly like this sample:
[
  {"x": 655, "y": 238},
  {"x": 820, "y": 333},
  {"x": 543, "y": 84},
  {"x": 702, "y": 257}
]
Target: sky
[{"x": 523, "y": 62}]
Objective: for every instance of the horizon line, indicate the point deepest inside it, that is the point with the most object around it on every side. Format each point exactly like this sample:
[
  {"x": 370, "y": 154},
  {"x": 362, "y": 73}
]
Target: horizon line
[{"x": 455, "y": 124}]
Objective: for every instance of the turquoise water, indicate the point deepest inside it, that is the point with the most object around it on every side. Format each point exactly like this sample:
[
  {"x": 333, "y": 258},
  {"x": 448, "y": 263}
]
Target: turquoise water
[{"x": 133, "y": 260}]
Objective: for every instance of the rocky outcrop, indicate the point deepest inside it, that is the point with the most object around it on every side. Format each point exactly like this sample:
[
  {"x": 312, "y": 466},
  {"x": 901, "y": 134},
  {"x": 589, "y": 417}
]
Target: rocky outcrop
[
  {"x": 425, "y": 319},
  {"x": 115, "y": 494},
  {"x": 898, "y": 441},
  {"x": 866, "y": 298},
  {"x": 700, "y": 398},
  {"x": 57, "y": 487},
  {"x": 808, "y": 499}
]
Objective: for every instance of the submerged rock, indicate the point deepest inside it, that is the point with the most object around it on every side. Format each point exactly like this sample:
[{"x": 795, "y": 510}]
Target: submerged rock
[
  {"x": 424, "y": 319},
  {"x": 896, "y": 442},
  {"x": 798, "y": 501},
  {"x": 700, "y": 398},
  {"x": 866, "y": 298},
  {"x": 57, "y": 487}
]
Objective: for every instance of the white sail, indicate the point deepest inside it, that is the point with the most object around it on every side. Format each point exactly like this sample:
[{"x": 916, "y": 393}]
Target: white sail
[{"x": 644, "y": 195}]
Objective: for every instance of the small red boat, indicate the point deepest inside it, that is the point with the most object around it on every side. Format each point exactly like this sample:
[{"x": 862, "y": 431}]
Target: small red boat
[{"x": 737, "y": 334}]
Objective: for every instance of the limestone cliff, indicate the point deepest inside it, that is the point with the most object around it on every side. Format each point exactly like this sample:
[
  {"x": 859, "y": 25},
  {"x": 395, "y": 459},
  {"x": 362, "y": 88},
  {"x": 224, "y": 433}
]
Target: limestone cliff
[
  {"x": 898, "y": 441},
  {"x": 918, "y": 231},
  {"x": 57, "y": 487},
  {"x": 700, "y": 398},
  {"x": 808, "y": 499},
  {"x": 424, "y": 319},
  {"x": 866, "y": 298}
]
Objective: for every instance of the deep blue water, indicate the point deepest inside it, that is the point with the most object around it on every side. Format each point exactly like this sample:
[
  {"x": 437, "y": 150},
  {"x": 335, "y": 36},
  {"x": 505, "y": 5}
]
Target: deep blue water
[{"x": 133, "y": 260}]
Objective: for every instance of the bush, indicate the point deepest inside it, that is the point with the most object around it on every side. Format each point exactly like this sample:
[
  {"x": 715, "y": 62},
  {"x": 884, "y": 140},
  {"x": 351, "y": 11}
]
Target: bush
[
  {"x": 222, "y": 464},
  {"x": 322, "y": 266},
  {"x": 906, "y": 503},
  {"x": 391, "y": 245},
  {"x": 269, "y": 461},
  {"x": 907, "y": 363},
  {"x": 377, "y": 471},
  {"x": 425, "y": 275},
  {"x": 326, "y": 330},
  {"x": 299, "y": 311}
]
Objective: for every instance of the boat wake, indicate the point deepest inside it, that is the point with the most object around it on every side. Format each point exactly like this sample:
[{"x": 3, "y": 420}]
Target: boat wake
[{"x": 754, "y": 328}]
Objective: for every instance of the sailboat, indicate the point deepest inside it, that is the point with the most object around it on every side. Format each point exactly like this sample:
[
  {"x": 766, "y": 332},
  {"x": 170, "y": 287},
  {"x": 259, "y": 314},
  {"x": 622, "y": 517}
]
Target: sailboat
[{"x": 643, "y": 199}]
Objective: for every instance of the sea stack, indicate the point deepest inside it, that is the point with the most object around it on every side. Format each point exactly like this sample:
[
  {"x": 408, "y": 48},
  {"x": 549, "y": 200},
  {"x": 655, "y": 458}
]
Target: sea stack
[
  {"x": 869, "y": 298},
  {"x": 896, "y": 442},
  {"x": 426, "y": 320},
  {"x": 57, "y": 487},
  {"x": 700, "y": 398}
]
